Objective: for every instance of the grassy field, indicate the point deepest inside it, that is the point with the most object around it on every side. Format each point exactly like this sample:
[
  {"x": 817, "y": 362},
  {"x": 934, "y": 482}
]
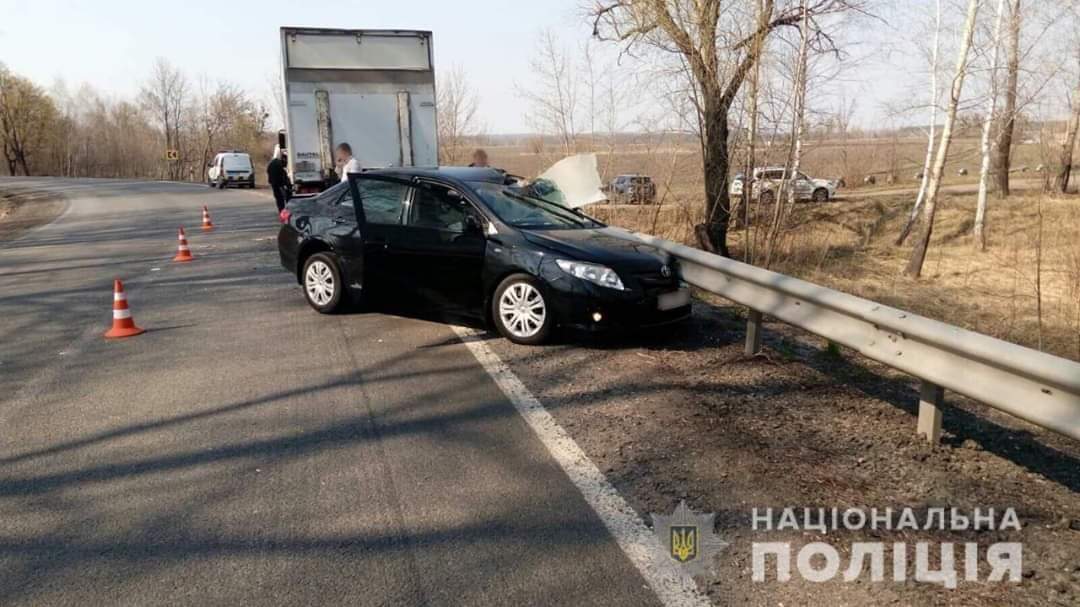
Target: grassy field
[{"x": 1025, "y": 288}]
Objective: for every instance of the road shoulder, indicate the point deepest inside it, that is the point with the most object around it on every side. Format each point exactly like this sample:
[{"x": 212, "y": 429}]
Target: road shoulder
[{"x": 23, "y": 210}]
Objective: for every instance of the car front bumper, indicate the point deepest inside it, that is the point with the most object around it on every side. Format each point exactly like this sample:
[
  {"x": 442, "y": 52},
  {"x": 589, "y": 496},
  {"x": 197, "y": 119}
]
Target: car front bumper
[{"x": 582, "y": 305}]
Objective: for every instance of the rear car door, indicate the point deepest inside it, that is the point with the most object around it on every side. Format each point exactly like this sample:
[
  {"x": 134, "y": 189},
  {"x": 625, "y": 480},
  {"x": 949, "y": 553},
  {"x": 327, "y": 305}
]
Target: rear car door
[
  {"x": 370, "y": 225},
  {"x": 440, "y": 251}
]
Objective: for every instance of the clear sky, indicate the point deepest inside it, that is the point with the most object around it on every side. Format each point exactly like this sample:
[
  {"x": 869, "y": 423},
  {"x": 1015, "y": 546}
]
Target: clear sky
[{"x": 111, "y": 44}]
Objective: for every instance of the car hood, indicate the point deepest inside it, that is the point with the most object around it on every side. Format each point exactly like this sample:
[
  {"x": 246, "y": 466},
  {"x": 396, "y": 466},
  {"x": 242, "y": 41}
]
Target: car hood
[{"x": 601, "y": 245}]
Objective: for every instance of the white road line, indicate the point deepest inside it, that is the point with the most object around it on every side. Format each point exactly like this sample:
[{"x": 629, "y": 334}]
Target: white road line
[{"x": 672, "y": 585}]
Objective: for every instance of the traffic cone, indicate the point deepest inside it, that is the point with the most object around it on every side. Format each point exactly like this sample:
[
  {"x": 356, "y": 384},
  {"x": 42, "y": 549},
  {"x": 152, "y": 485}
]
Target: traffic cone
[
  {"x": 183, "y": 253},
  {"x": 206, "y": 225},
  {"x": 122, "y": 324}
]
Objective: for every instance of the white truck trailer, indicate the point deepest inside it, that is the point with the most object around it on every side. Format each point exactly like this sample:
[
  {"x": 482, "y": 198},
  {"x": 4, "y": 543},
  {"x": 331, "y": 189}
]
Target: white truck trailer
[{"x": 372, "y": 89}]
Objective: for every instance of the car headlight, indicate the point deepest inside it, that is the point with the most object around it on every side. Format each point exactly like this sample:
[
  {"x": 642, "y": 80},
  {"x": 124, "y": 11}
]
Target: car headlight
[{"x": 594, "y": 273}]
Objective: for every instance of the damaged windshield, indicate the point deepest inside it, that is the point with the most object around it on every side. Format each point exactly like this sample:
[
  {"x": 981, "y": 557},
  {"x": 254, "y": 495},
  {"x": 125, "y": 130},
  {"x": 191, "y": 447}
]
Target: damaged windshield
[{"x": 514, "y": 207}]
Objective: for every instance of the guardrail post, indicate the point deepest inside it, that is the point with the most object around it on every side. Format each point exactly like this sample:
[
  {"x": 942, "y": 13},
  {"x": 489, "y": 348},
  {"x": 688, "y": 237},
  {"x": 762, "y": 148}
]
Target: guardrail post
[
  {"x": 931, "y": 400},
  {"x": 753, "y": 333}
]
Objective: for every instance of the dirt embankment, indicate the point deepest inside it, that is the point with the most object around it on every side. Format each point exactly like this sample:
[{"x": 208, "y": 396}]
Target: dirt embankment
[
  {"x": 23, "y": 210},
  {"x": 687, "y": 416}
]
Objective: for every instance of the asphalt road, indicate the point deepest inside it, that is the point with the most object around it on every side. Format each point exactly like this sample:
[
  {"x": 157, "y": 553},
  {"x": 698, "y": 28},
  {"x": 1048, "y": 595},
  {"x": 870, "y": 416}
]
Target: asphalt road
[{"x": 246, "y": 450}]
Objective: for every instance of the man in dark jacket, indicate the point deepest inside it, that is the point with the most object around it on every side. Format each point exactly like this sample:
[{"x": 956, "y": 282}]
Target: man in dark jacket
[{"x": 278, "y": 179}]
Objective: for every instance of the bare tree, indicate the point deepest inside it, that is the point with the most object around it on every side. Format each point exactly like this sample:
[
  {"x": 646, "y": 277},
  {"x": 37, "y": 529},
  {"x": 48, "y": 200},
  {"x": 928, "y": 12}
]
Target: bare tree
[
  {"x": 26, "y": 113},
  {"x": 758, "y": 44},
  {"x": 165, "y": 97},
  {"x": 1008, "y": 114},
  {"x": 275, "y": 92},
  {"x": 931, "y": 136},
  {"x": 713, "y": 40},
  {"x": 918, "y": 255},
  {"x": 457, "y": 106},
  {"x": 1068, "y": 144},
  {"x": 988, "y": 126},
  {"x": 225, "y": 117},
  {"x": 794, "y": 159},
  {"x": 553, "y": 93}
]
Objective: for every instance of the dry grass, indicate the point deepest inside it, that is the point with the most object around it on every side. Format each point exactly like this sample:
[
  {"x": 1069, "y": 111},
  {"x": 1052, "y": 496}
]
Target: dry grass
[
  {"x": 848, "y": 245},
  {"x": 1025, "y": 288}
]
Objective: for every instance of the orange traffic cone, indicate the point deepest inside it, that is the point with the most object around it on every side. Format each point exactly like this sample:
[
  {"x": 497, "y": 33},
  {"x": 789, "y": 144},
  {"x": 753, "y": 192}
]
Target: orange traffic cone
[
  {"x": 122, "y": 324},
  {"x": 206, "y": 225},
  {"x": 183, "y": 253}
]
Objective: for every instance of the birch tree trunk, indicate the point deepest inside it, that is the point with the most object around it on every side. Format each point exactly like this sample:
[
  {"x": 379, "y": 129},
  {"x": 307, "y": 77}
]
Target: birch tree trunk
[
  {"x": 931, "y": 136},
  {"x": 800, "y": 105},
  {"x": 1008, "y": 114},
  {"x": 988, "y": 126},
  {"x": 787, "y": 189},
  {"x": 1067, "y": 146},
  {"x": 751, "y": 140},
  {"x": 918, "y": 254}
]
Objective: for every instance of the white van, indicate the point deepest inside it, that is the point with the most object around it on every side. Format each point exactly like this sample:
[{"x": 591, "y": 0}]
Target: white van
[{"x": 231, "y": 168}]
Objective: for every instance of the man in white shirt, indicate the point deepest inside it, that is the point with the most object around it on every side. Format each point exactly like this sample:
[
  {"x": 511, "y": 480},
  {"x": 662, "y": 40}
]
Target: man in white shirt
[{"x": 345, "y": 161}]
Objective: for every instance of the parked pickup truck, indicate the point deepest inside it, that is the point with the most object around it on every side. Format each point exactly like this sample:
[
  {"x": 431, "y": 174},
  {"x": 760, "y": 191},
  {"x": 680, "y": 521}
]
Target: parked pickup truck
[{"x": 372, "y": 89}]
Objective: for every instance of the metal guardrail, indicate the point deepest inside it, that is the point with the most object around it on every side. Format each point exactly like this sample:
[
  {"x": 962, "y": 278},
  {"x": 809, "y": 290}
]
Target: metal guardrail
[{"x": 1035, "y": 386}]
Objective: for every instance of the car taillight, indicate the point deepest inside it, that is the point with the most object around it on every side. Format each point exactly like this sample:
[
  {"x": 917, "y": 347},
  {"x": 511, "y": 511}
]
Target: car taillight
[{"x": 284, "y": 215}]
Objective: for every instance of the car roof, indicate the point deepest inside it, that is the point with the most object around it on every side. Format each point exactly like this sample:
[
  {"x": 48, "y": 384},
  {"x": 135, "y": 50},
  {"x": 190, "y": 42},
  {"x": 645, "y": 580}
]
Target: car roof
[{"x": 465, "y": 174}]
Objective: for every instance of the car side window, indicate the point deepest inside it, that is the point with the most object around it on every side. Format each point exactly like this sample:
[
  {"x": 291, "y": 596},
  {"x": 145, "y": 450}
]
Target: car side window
[
  {"x": 433, "y": 208},
  {"x": 381, "y": 200},
  {"x": 332, "y": 196}
]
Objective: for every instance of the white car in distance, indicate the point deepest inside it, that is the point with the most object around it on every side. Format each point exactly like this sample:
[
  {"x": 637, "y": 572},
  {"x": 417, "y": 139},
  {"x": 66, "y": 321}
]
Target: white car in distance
[
  {"x": 231, "y": 168},
  {"x": 767, "y": 182}
]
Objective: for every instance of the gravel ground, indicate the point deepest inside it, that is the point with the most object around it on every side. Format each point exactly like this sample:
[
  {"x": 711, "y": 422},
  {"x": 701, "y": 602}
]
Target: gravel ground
[
  {"x": 23, "y": 211},
  {"x": 685, "y": 415}
]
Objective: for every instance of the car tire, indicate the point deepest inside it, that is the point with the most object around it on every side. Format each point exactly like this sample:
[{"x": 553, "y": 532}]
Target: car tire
[
  {"x": 322, "y": 284},
  {"x": 767, "y": 197},
  {"x": 820, "y": 195},
  {"x": 221, "y": 184},
  {"x": 521, "y": 311}
]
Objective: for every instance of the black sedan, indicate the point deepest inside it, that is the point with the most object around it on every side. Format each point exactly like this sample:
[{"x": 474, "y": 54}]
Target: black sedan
[{"x": 472, "y": 241}]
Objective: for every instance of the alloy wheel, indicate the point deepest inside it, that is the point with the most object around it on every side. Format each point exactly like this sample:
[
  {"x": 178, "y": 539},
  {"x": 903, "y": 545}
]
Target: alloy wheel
[
  {"x": 522, "y": 310},
  {"x": 319, "y": 282}
]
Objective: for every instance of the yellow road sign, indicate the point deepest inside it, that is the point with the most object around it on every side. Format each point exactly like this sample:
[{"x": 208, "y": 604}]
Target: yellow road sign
[{"x": 172, "y": 154}]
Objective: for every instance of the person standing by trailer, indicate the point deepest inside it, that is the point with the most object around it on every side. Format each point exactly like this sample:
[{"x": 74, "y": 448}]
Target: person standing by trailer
[
  {"x": 278, "y": 178},
  {"x": 345, "y": 161}
]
